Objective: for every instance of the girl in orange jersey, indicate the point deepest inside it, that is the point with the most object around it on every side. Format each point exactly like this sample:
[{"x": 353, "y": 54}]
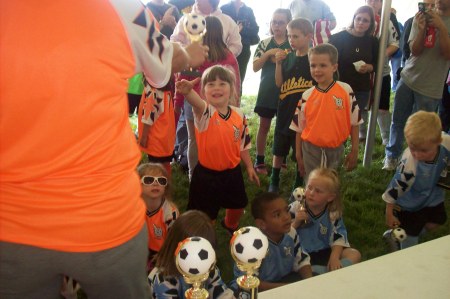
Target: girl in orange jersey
[
  {"x": 223, "y": 141},
  {"x": 161, "y": 211}
]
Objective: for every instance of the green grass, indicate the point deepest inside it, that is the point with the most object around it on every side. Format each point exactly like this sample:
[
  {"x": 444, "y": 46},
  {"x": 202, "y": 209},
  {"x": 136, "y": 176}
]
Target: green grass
[{"x": 361, "y": 191}]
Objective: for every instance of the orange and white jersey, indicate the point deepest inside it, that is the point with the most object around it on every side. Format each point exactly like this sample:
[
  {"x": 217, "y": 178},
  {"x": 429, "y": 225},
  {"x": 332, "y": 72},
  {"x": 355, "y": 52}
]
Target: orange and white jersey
[
  {"x": 158, "y": 222},
  {"x": 67, "y": 154},
  {"x": 156, "y": 111},
  {"x": 221, "y": 138},
  {"x": 325, "y": 117}
]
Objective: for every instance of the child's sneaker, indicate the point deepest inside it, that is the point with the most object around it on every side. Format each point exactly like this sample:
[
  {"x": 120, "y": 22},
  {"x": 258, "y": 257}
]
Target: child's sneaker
[
  {"x": 260, "y": 169},
  {"x": 229, "y": 230},
  {"x": 392, "y": 244},
  {"x": 389, "y": 163}
]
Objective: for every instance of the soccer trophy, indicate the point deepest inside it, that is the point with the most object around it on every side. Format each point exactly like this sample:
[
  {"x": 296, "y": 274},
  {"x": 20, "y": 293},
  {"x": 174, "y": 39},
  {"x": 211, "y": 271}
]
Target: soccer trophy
[
  {"x": 195, "y": 27},
  {"x": 195, "y": 258},
  {"x": 398, "y": 234},
  {"x": 248, "y": 247},
  {"x": 298, "y": 199}
]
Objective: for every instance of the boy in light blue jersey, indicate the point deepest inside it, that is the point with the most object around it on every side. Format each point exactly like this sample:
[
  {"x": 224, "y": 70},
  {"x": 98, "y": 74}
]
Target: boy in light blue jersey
[
  {"x": 414, "y": 198},
  {"x": 285, "y": 262}
]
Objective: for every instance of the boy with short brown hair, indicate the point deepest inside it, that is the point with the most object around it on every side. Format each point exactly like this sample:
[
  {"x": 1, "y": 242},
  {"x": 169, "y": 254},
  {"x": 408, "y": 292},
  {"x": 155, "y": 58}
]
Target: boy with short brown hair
[{"x": 326, "y": 115}]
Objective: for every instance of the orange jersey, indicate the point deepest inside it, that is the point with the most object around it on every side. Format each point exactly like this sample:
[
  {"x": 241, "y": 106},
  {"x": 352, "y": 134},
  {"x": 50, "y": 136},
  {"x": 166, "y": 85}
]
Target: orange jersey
[
  {"x": 158, "y": 223},
  {"x": 325, "y": 117},
  {"x": 156, "y": 111},
  {"x": 67, "y": 173},
  {"x": 221, "y": 140}
]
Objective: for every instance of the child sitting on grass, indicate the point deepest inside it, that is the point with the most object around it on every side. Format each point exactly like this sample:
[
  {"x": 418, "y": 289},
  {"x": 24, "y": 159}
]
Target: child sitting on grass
[
  {"x": 320, "y": 225},
  {"x": 223, "y": 141},
  {"x": 161, "y": 211},
  {"x": 285, "y": 261},
  {"x": 413, "y": 199}
]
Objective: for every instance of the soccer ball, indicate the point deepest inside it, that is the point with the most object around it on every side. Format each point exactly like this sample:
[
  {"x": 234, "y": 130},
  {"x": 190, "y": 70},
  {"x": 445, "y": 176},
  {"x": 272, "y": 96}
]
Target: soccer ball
[
  {"x": 194, "y": 24},
  {"x": 398, "y": 234},
  {"x": 195, "y": 256},
  {"x": 297, "y": 194},
  {"x": 249, "y": 245}
]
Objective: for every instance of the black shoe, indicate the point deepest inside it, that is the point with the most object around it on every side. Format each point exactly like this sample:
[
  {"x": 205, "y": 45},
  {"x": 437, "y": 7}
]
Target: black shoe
[{"x": 229, "y": 230}]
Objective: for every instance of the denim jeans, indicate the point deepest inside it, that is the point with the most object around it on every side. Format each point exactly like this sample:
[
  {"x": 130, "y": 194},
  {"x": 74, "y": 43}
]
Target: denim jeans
[{"x": 405, "y": 102}]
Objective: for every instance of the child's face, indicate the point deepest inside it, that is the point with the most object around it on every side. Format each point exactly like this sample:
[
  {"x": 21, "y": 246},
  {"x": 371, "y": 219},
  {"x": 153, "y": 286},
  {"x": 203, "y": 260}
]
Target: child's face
[
  {"x": 297, "y": 39},
  {"x": 322, "y": 69},
  {"x": 278, "y": 24},
  {"x": 217, "y": 92},
  {"x": 318, "y": 193},
  {"x": 277, "y": 219},
  {"x": 155, "y": 189},
  {"x": 425, "y": 153}
]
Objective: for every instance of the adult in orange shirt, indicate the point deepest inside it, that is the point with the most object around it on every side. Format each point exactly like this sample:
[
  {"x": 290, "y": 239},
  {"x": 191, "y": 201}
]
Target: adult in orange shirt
[{"x": 69, "y": 194}]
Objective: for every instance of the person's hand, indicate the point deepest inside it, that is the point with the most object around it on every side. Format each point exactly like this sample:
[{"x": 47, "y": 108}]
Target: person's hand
[
  {"x": 184, "y": 87},
  {"x": 252, "y": 176},
  {"x": 168, "y": 19},
  {"x": 392, "y": 221},
  {"x": 420, "y": 20},
  {"x": 365, "y": 68},
  {"x": 301, "y": 217},
  {"x": 434, "y": 20},
  {"x": 197, "y": 53},
  {"x": 280, "y": 55},
  {"x": 351, "y": 160},
  {"x": 334, "y": 264}
]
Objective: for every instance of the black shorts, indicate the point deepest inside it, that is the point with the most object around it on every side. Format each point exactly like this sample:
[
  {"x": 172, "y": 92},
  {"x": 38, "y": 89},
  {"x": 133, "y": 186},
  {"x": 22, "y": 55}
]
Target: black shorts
[
  {"x": 282, "y": 143},
  {"x": 265, "y": 112},
  {"x": 153, "y": 159},
  {"x": 385, "y": 94},
  {"x": 320, "y": 257},
  {"x": 211, "y": 190},
  {"x": 414, "y": 222}
]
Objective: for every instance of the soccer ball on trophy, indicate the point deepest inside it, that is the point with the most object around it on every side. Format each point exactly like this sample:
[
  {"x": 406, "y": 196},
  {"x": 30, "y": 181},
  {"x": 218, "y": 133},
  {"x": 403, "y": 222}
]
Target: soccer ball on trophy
[
  {"x": 195, "y": 26},
  {"x": 398, "y": 234},
  {"x": 195, "y": 258},
  {"x": 248, "y": 247}
]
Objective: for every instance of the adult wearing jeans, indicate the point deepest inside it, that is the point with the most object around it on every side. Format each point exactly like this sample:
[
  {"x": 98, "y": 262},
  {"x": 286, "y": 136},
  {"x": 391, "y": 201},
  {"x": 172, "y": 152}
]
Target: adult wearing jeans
[
  {"x": 420, "y": 86},
  {"x": 356, "y": 44}
]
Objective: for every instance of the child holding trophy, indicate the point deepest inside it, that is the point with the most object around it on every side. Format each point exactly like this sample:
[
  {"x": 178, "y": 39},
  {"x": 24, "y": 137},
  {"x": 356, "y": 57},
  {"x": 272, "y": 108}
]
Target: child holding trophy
[{"x": 320, "y": 226}]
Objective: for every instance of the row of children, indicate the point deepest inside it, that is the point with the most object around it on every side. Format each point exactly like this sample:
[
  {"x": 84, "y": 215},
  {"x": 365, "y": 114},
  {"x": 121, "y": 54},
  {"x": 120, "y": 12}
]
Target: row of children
[{"x": 296, "y": 250}]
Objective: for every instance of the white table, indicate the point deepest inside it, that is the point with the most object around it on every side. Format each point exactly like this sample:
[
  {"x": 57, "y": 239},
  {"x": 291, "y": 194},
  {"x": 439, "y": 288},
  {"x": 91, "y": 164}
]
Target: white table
[{"x": 422, "y": 271}]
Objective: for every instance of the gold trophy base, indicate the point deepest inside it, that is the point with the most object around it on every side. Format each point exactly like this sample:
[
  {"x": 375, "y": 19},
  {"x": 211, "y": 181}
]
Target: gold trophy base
[{"x": 196, "y": 294}]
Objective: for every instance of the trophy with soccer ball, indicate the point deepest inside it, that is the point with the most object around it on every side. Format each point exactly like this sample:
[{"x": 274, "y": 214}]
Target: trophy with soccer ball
[
  {"x": 298, "y": 199},
  {"x": 248, "y": 248},
  {"x": 195, "y": 27},
  {"x": 195, "y": 258},
  {"x": 398, "y": 234}
]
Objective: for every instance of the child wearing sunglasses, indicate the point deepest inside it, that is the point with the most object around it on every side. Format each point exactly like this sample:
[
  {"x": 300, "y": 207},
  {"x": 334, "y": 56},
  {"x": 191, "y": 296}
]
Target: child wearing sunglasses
[{"x": 161, "y": 211}]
